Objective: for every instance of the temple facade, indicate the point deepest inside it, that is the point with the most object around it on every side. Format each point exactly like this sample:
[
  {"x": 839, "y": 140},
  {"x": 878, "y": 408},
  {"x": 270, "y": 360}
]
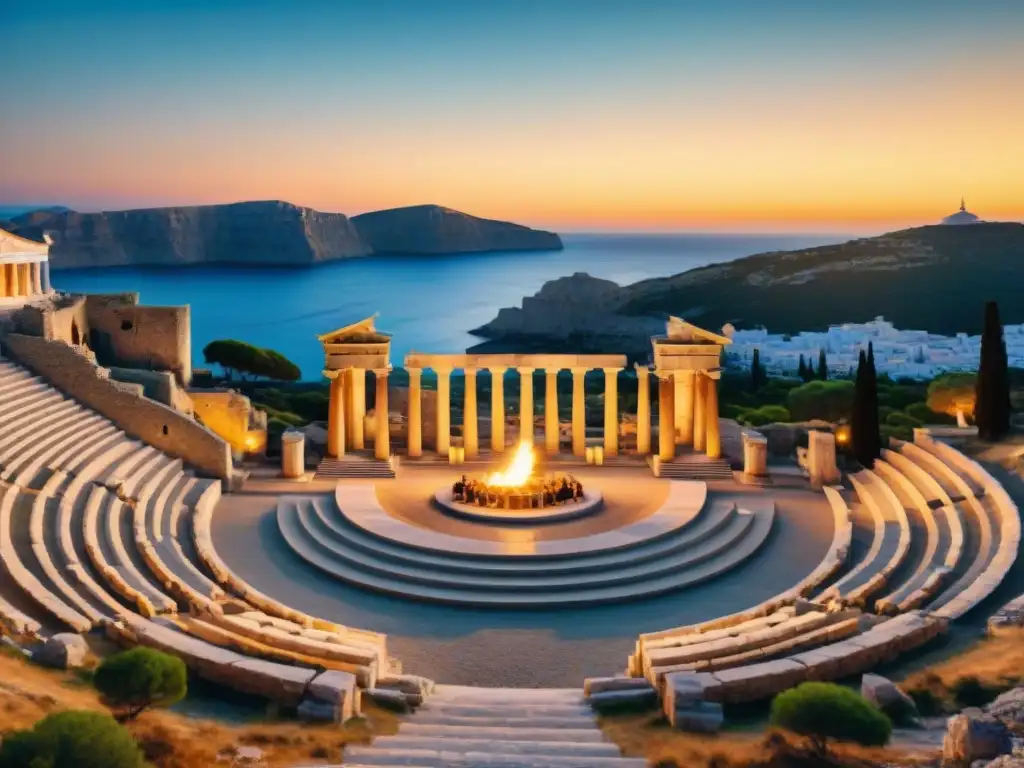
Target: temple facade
[
  {"x": 24, "y": 269},
  {"x": 686, "y": 363}
]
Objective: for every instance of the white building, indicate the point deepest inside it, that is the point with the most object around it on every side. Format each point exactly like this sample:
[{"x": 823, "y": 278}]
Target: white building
[
  {"x": 899, "y": 353},
  {"x": 24, "y": 270}
]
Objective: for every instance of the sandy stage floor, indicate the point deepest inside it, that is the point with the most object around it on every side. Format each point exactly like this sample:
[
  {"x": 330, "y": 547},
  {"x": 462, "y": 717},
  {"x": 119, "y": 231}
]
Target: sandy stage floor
[{"x": 516, "y": 647}]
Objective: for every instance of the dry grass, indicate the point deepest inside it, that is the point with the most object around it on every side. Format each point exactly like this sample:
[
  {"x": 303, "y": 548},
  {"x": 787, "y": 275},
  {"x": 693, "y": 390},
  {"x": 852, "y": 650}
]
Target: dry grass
[
  {"x": 170, "y": 740},
  {"x": 648, "y": 735}
]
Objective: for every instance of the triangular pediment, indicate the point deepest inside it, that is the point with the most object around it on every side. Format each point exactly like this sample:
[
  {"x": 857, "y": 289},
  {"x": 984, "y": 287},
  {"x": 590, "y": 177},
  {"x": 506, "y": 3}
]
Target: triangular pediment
[
  {"x": 11, "y": 244},
  {"x": 679, "y": 330},
  {"x": 362, "y": 331}
]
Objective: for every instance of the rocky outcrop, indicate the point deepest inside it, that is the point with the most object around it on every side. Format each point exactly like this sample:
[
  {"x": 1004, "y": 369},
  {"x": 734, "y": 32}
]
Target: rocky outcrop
[
  {"x": 973, "y": 735},
  {"x": 63, "y": 651},
  {"x": 263, "y": 233},
  {"x": 433, "y": 229},
  {"x": 571, "y": 308}
]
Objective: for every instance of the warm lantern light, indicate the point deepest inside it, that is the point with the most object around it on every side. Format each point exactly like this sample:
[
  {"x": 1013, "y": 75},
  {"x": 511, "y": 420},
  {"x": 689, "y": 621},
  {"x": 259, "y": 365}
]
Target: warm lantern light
[
  {"x": 842, "y": 435},
  {"x": 518, "y": 472}
]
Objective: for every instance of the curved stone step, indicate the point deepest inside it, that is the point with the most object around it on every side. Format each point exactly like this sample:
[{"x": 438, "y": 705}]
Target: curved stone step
[
  {"x": 707, "y": 523},
  {"x": 685, "y": 556},
  {"x": 524, "y": 745},
  {"x": 493, "y": 758},
  {"x": 296, "y": 536}
]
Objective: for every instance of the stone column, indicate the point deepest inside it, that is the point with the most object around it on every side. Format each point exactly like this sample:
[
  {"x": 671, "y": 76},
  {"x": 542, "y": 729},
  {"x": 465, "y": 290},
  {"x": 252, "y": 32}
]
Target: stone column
[
  {"x": 699, "y": 421},
  {"x": 526, "y": 405},
  {"x": 358, "y": 408},
  {"x": 336, "y": 415},
  {"x": 3, "y": 281},
  {"x": 755, "y": 455},
  {"x": 45, "y": 266},
  {"x": 444, "y": 411},
  {"x": 470, "y": 438},
  {"x": 25, "y": 278},
  {"x": 13, "y": 282},
  {"x": 350, "y": 410},
  {"x": 821, "y": 459},
  {"x": 293, "y": 454},
  {"x": 666, "y": 416},
  {"x": 551, "y": 424},
  {"x": 498, "y": 409},
  {"x": 37, "y": 280},
  {"x": 414, "y": 423},
  {"x": 643, "y": 410},
  {"x": 713, "y": 444},
  {"x": 382, "y": 441},
  {"x": 579, "y": 412},
  {"x": 684, "y": 407},
  {"x": 611, "y": 411}
]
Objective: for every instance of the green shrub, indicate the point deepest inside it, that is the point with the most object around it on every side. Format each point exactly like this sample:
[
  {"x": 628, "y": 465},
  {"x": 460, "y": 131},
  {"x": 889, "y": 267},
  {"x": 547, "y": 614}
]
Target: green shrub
[
  {"x": 73, "y": 739},
  {"x": 828, "y": 400},
  {"x": 827, "y": 711},
  {"x": 766, "y": 414},
  {"x": 242, "y": 358},
  {"x": 901, "y": 419},
  {"x": 887, "y": 431},
  {"x": 141, "y": 678},
  {"x": 926, "y": 415},
  {"x": 969, "y": 691},
  {"x": 950, "y": 391}
]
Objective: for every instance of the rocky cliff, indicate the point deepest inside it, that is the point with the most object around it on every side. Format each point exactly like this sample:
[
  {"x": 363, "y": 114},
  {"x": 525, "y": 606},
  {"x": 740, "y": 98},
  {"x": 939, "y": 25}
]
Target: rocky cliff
[
  {"x": 265, "y": 233},
  {"x": 433, "y": 229},
  {"x": 933, "y": 278}
]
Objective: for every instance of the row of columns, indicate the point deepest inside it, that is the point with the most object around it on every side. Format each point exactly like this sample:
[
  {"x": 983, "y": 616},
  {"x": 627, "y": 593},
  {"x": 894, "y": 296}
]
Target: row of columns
[
  {"x": 347, "y": 412},
  {"x": 27, "y": 278},
  {"x": 470, "y": 429},
  {"x": 687, "y": 413}
]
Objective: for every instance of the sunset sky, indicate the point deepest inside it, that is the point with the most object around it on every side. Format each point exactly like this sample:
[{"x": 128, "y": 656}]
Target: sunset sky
[{"x": 571, "y": 115}]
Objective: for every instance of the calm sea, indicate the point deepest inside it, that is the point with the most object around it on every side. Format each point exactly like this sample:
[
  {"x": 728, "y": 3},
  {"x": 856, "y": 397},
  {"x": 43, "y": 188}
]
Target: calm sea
[{"x": 429, "y": 303}]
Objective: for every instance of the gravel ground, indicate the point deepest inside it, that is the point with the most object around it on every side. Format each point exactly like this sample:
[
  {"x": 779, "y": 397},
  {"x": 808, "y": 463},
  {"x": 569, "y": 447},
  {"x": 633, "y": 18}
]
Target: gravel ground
[{"x": 520, "y": 648}]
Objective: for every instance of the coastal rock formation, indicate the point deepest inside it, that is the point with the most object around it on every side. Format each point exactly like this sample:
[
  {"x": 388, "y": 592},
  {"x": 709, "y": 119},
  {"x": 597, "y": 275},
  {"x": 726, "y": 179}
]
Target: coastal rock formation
[
  {"x": 433, "y": 229},
  {"x": 934, "y": 278},
  {"x": 263, "y": 233},
  {"x": 241, "y": 233}
]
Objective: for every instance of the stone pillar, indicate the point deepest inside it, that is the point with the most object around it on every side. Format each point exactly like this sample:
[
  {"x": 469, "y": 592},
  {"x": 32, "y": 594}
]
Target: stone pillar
[
  {"x": 470, "y": 437},
  {"x": 579, "y": 412},
  {"x": 382, "y": 440},
  {"x": 45, "y": 267},
  {"x": 684, "y": 407},
  {"x": 3, "y": 281},
  {"x": 551, "y": 424},
  {"x": 25, "y": 278},
  {"x": 526, "y": 405},
  {"x": 821, "y": 458},
  {"x": 336, "y": 415},
  {"x": 293, "y": 454},
  {"x": 37, "y": 280},
  {"x": 497, "y": 409},
  {"x": 666, "y": 417},
  {"x": 611, "y": 411},
  {"x": 13, "y": 281},
  {"x": 350, "y": 411},
  {"x": 414, "y": 422},
  {"x": 444, "y": 411},
  {"x": 755, "y": 454},
  {"x": 643, "y": 410},
  {"x": 699, "y": 421},
  {"x": 359, "y": 408},
  {"x": 713, "y": 443}
]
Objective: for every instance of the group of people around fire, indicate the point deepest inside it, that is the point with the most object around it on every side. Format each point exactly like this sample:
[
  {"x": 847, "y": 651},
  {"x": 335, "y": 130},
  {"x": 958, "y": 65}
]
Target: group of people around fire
[{"x": 558, "y": 489}]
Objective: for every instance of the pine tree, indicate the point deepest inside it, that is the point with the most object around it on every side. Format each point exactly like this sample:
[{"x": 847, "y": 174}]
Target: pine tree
[
  {"x": 756, "y": 371},
  {"x": 992, "y": 393},
  {"x": 822, "y": 365},
  {"x": 801, "y": 370}
]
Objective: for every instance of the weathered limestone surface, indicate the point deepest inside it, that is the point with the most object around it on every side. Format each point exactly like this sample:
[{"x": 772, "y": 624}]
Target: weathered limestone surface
[
  {"x": 63, "y": 651},
  {"x": 885, "y": 695},
  {"x": 973, "y": 735}
]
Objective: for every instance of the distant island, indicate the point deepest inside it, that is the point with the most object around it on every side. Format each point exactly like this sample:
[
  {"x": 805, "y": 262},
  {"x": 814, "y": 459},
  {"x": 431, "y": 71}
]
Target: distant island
[
  {"x": 263, "y": 233},
  {"x": 934, "y": 278}
]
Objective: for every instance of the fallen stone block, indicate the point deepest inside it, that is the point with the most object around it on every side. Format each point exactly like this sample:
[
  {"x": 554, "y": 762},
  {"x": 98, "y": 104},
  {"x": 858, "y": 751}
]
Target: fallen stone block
[
  {"x": 314, "y": 711},
  {"x": 594, "y": 685},
  {"x": 704, "y": 717},
  {"x": 388, "y": 699},
  {"x": 973, "y": 735},
  {"x": 63, "y": 651},
  {"x": 636, "y": 698},
  {"x": 885, "y": 695}
]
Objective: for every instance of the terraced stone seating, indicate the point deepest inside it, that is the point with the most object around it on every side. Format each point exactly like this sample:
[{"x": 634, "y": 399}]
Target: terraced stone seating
[{"x": 695, "y": 542}]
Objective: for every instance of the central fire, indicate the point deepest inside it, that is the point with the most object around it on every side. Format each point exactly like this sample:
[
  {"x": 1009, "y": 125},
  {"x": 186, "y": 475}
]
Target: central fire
[{"x": 518, "y": 472}]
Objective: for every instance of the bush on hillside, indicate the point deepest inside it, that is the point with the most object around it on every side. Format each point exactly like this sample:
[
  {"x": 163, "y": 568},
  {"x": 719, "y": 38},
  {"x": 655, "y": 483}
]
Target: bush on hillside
[
  {"x": 828, "y": 400},
  {"x": 766, "y": 414},
  {"x": 238, "y": 357},
  {"x": 136, "y": 680},
  {"x": 951, "y": 391},
  {"x": 901, "y": 419},
  {"x": 926, "y": 415},
  {"x": 969, "y": 691},
  {"x": 825, "y": 711},
  {"x": 73, "y": 739}
]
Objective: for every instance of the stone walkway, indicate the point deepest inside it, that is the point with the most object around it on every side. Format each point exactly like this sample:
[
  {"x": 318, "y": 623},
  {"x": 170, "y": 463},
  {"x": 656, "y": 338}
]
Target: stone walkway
[{"x": 464, "y": 727}]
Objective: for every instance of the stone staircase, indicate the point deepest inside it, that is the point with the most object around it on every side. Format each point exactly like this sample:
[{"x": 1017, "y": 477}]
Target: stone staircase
[
  {"x": 354, "y": 465},
  {"x": 464, "y": 727},
  {"x": 696, "y": 466}
]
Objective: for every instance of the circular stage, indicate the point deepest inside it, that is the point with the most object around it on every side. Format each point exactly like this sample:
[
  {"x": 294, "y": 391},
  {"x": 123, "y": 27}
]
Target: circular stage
[{"x": 555, "y": 513}]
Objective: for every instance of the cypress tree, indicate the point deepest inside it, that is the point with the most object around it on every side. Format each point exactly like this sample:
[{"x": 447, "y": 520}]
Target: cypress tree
[
  {"x": 755, "y": 370},
  {"x": 864, "y": 422},
  {"x": 992, "y": 391},
  {"x": 822, "y": 365},
  {"x": 801, "y": 370}
]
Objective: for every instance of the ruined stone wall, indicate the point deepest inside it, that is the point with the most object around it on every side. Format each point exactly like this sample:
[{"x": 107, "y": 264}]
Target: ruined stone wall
[
  {"x": 64, "y": 319},
  {"x": 230, "y": 415},
  {"x": 142, "y": 418},
  {"x": 125, "y": 334}
]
